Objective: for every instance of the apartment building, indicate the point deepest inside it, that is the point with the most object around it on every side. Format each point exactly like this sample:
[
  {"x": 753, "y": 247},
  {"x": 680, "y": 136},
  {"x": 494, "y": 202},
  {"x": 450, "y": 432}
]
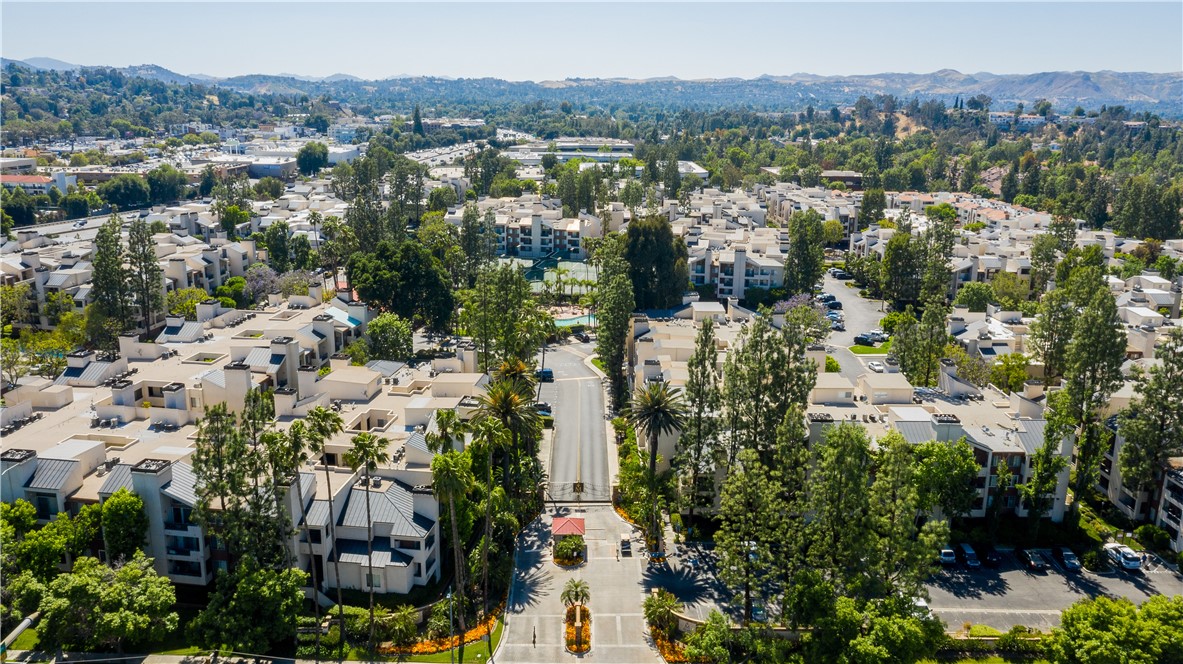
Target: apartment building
[
  {"x": 128, "y": 420},
  {"x": 1004, "y": 431},
  {"x": 534, "y": 227}
]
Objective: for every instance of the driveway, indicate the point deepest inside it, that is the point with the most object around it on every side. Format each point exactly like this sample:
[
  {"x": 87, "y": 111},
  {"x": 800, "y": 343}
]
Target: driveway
[
  {"x": 617, "y": 592},
  {"x": 691, "y": 575},
  {"x": 861, "y": 315},
  {"x": 1010, "y": 595}
]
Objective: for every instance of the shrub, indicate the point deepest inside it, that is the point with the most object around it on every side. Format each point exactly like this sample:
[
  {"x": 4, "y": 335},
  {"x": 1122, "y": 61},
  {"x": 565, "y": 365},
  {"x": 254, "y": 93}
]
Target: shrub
[
  {"x": 1094, "y": 560},
  {"x": 438, "y": 623},
  {"x": 832, "y": 365},
  {"x": 569, "y": 549},
  {"x": 676, "y": 522},
  {"x": 1153, "y": 537}
]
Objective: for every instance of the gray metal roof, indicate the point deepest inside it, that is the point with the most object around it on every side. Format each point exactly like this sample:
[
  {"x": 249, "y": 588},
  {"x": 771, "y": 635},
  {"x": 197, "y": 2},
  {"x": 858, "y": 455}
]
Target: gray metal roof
[
  {"x": 394, "y": 506},
  {"x": 57, "y": 279},
  {"x": 258, "y": 358},
  {"x": 1032, "y": 436},
  {"x": 384, "y": 555},
  {"x": 318, "y": 514},
  {"x": 67, "y": 375},
  {"x": 419, "y": 442},
  {"x": 183, "y": 486},
  {"x": 118, "y": 478},
  {"x": 385, "y": 367},
  {"x": 94, "y": 372},
  {"x": 51, "y": 474},
  {"x": 915, "y": 432},
  {"x": 215, "y": 377}
]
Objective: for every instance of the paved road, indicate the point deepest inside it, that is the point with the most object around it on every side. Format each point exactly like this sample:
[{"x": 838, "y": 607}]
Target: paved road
[
  {"x": 617, "y": 591},
  {"x": 580, "y": 453},
  {"x": 1009, "y": 595}
]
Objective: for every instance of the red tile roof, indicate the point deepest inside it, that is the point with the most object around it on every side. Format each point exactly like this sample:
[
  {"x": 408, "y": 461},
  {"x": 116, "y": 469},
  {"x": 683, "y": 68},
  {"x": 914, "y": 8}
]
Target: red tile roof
[
  {"x": 25, "y": 179},
  {"x": 568, "y": 526}
]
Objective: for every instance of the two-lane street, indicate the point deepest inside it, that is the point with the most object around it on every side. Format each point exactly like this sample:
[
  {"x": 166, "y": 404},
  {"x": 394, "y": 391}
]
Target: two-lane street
[{"x": 580, "y": 452}]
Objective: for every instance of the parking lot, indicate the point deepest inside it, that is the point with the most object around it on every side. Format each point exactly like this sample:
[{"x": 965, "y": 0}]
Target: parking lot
[
  {"x": 1010, "y": 595},
  {"x": 859, "y": 315}
]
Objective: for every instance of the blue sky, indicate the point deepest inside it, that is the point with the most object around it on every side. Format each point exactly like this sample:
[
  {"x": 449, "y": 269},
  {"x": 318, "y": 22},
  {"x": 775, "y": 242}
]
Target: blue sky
[{"x": 537, "y": 41}]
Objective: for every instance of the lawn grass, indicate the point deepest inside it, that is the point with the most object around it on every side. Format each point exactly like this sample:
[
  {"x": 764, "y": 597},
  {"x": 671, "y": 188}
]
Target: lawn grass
[
  {"x": 27, "y": 640},
  {"x": 983, "y": 631},
  {"x": 599, "y": 364},
  {"x": 881, "y": 349}
]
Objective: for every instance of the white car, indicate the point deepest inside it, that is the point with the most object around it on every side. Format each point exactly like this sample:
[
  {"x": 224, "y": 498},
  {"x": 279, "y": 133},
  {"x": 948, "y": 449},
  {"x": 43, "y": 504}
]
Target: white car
[
  {"x": 877, "y": 367},
  {"x": 1123, "y": 556}
]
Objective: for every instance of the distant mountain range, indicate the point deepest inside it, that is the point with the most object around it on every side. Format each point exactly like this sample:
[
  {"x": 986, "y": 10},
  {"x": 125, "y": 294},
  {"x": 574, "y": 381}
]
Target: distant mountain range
[{"x": 1162, "y": 93}]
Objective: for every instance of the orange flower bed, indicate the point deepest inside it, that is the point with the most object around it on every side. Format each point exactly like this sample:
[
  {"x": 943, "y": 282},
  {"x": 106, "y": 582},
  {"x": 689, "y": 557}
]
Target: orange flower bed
[
  {"x": 624, "y": 515},
  {"x": 430, "y": 647},
  {"x": 673, "y": 652},
  {"x": 584, "y": 641}
]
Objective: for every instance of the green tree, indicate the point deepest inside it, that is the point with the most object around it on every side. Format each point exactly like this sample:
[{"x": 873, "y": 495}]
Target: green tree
[
  {"x": 805, "y": 261},
  {"x": 251, "y": 609},
  {"x": 367, "y": 453},
  {"x": 451, "y": 474},
  {"x": 1152, "y": 425},
  {"x": 95, "y": 607},
  {"x": 109, "y": 296},
  {"x": 657, "y": 263},
  {"x": 747, "y": 513},
  {"x": 944, "y": 477},
  {"x": 764, "y": 373},
  {"x": 1146, "y": 208},
  {"x": 390, "y": 337},
  {"x": 833, "y": 231},
  {"x": 166, "y": 183},
  {"x": 144, "y": 275},
  {"x": 1009, "y": 372},
  {"x": 700, "y": 431},
  {"x": 839, "y": 500},
  {"x": 975, "y": 295},
  {"x": 404, "y": 279},
  {"x": 1115, "y": 630},
  {"x": 127, "y": 191},
  {"x": 503, "y": 317},
  {"x": 902, "y": 263},
  {"x": 125, "y": 524},
  {"x": 656, "y": 410},
  {"x": 613, "y": 315},
  {"x": 903, "y": 554},
  {"x": 871, "y": 210},
  {"x": 268, "y": 188},
  {"x": 1092, "y": 373},
  {"x": 312, "y": 157},
  {"x": 209, "y": 179},
  {"x": 1052, "y": 331},
  {"x": 441, "y": 198},
  {"x": 1046, "y": 465},
  {"x": 970, "y": 368}
]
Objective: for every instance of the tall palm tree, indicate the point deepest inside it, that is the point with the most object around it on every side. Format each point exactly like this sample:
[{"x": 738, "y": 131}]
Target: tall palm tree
[
  {"x": 512, "y": 403},
  {"x": 490, "y": 434},
  {"x": 323, "y": 424},
  {"x": 449, "y": 429},
  {"x": 654, "y": 410},
  {"x": 451, "y": 476},
  {"x": 367, "y": 453},
  {"x": 299, "y": 447}
]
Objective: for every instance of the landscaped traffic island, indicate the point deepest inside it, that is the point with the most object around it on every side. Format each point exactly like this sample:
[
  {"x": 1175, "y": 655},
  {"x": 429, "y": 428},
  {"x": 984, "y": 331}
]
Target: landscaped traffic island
[{"x": 578, "y": 629}]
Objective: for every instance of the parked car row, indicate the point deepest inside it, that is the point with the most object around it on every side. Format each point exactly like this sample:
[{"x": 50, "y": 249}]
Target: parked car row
[{"x": 1032, "y": 560}]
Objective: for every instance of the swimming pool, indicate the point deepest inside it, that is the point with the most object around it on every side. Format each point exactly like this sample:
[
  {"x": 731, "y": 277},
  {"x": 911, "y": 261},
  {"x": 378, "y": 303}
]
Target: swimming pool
[{"x": 586, "y": 319}]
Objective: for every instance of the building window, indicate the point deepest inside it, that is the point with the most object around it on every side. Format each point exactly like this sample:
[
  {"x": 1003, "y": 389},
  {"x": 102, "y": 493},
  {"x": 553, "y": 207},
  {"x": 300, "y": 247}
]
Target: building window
[
  {"x": 418, "y": 570},
  {"x": 374, "y": 580}
]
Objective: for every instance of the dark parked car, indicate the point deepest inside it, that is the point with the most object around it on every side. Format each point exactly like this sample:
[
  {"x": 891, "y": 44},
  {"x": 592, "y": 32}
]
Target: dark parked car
[
  {"x": 990, "y": 556},
  {"x": 841, "y": 275},
  {"x": 833, "y": 304},
  {"x": 545, "y": 375},
  {"x": 542, "y": 408},
  {"x": 582, "y": 336},
  {"x": 1068, "y": 559},
  {"x": 826, "y": 297},
  {"x": 863, "y": 340},
  {"x": 1033, "y": 561}
]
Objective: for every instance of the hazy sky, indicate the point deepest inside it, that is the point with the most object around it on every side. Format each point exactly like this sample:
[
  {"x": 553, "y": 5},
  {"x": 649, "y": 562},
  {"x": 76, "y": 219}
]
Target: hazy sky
[{"x": 537, "y": 41}]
